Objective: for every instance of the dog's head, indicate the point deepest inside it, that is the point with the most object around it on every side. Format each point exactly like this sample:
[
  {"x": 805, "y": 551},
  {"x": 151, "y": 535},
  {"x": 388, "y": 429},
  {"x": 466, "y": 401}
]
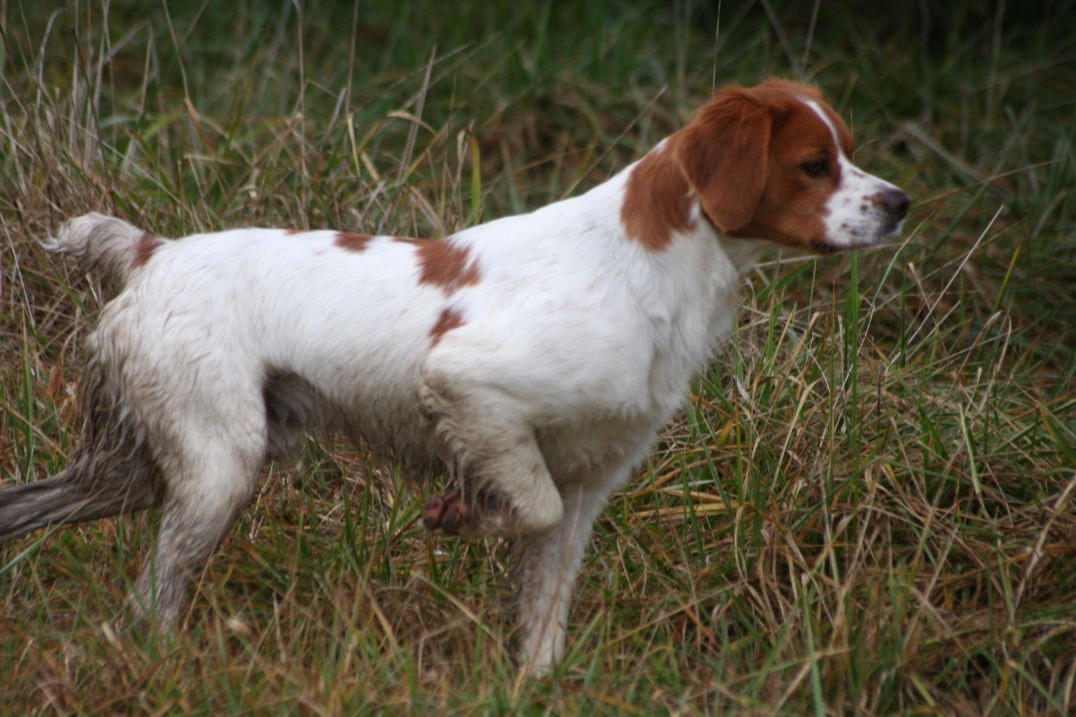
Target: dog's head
[{"x": 774, "y": 162}]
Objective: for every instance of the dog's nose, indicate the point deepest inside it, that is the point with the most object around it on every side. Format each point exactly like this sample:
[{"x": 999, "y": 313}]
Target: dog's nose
[{"x": 893, "y": 201}]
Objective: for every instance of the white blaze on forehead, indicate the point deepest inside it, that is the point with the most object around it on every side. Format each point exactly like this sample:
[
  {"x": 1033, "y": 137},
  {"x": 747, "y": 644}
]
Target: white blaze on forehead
[
  {"x": 829, "y": 125},
  {"x": 844, "y": 161},
  {"x": 853, "y": 219}
]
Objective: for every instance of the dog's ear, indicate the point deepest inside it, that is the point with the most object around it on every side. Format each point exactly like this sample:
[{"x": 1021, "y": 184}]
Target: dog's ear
[{"x": 724, "y": 155}]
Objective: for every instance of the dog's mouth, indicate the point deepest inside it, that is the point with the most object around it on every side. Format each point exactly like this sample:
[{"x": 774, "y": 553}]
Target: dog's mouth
[
  {"x": 825, "y": 248},
  {"x": 886, "y": 233}
]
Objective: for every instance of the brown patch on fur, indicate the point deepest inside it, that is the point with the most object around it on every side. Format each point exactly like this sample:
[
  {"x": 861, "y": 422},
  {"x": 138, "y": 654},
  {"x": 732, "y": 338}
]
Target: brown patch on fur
[
  {"x": 292, "y": 232},
  {"x": 147, "y": 244},
  {"x": 448, "y": 320},
  {"x": 352, "y": 242},
  {"x": 444, "y": 264},
  {"x": 657, "y": 201}
]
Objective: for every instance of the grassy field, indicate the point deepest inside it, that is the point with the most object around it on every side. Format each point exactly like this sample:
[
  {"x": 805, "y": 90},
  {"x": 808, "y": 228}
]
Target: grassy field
[{"x": 869, "y": 504}]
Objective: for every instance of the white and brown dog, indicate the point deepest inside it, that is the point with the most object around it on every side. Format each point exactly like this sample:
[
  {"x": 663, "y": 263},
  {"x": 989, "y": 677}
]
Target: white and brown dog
[{"x": 535, "y": 357}]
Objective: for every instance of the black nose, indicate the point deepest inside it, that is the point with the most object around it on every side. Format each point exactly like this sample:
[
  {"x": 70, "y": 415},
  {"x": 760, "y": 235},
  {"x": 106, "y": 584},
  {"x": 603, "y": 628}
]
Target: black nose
[{"x": 894, "y": 201}]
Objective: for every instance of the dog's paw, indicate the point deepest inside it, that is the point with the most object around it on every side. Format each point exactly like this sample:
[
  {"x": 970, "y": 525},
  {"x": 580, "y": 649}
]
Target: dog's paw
[
  {"x": 446, "y": 512},
  {"x": 452, "y": 514}
]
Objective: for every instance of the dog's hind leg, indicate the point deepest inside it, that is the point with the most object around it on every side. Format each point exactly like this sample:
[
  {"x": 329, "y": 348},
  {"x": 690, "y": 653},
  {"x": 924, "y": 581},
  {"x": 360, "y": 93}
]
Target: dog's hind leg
[
  {"x": 210, "y": 432},
  {"x": 73, "y": 496},
  {"x": 207, "y": 487},
  {"x": 111, "y": 471}
]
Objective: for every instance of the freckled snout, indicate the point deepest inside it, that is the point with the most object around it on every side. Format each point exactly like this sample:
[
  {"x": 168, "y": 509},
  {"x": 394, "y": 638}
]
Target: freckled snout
[{"x": 865, "y": 211}]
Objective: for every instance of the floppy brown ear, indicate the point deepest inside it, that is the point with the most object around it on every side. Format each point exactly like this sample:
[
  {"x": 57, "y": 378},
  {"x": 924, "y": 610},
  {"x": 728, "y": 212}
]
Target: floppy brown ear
[{"x": 724, "y": 155}]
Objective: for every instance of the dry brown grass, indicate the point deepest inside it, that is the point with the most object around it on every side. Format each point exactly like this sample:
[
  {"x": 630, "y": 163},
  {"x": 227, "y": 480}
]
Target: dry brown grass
[{"x": 867, "y": 507}]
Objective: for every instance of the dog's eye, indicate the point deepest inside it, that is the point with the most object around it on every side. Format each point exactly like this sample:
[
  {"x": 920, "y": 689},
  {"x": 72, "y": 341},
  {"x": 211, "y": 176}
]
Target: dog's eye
[{"x": 815, "y": 167}]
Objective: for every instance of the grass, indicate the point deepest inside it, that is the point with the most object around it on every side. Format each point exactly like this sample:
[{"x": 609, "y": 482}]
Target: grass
[{"x": 869, "y": 504}]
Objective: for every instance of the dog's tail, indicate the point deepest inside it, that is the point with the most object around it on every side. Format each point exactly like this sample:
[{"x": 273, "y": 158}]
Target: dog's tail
[{"x": 100, "y": 243}]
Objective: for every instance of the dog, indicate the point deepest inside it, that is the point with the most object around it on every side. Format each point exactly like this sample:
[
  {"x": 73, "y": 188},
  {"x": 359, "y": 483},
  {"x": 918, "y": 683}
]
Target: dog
[{"x": 534, "y": 359}]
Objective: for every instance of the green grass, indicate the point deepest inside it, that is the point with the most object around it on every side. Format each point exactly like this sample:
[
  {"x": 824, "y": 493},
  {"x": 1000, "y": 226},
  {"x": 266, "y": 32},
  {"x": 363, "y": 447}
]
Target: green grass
[{"x": 869, "y": 504}]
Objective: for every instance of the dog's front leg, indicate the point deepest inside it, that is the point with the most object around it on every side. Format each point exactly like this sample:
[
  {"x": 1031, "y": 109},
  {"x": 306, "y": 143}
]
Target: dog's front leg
[
  {"x": 548, "y": 567},
  {"x": 504, "y": 488}
]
